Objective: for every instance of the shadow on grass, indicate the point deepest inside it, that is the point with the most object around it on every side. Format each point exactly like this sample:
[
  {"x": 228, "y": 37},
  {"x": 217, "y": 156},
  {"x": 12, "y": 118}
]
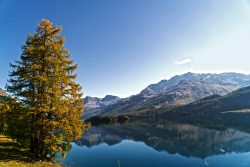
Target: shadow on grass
[{"x": 11, "y": 151}]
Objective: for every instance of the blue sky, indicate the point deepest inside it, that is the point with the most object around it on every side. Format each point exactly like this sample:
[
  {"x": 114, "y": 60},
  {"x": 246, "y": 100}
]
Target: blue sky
[{"x": 123, "y": 46}]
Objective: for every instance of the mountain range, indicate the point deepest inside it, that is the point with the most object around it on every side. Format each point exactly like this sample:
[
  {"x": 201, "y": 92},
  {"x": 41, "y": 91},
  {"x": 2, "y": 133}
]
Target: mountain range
[
  {"x": 176, "y": 91},
  {"x": 234, "y": 102},
  {"x": 3, "y": 93},
  {"x": 92, "y": 104}
]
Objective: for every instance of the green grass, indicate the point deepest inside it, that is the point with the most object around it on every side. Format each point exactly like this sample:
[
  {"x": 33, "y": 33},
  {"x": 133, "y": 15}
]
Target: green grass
[
  {"x": 12, "y": 154},
  {"x": 26, "y": 164}
]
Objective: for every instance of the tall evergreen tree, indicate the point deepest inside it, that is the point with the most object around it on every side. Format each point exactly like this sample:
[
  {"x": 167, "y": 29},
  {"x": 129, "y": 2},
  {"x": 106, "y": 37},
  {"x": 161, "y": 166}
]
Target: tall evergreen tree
[
  {"x": 3, "y": 123},
  {"x": 43, "y": 81}
]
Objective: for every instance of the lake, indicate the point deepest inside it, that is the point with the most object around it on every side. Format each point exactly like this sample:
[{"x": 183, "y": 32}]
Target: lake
[{"x": 160, "y": 144}]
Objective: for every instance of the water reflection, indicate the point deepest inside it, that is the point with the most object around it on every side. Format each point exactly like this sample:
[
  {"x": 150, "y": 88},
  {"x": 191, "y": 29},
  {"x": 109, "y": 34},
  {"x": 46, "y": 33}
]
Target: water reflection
[
  {"x": 160, "y": 144},
  {"x": 184, "y": 139}
]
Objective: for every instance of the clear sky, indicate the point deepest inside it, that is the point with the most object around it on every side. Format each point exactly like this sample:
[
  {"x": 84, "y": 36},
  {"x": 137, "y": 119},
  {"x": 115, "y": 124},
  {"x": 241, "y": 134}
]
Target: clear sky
[{"x": 122, "y": 46}]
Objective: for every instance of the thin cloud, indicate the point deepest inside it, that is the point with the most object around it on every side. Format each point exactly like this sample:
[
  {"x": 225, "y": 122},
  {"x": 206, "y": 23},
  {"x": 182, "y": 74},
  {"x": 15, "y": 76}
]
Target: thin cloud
[{"x": 184, "y": 61}]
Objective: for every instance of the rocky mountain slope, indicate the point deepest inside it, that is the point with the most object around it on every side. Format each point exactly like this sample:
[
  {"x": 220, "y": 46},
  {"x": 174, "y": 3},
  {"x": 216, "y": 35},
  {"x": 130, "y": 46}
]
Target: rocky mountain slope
[
  {"x": 235, "y": 102},
  {"x": 178, "y": 90},
  {"x": 94, "y": 104},
  {"x": 3, "y": 93},
  {"x": 232, "y": 109},
  {"x": 185, "y": 92},
  {"x": 223, "y": 78}
]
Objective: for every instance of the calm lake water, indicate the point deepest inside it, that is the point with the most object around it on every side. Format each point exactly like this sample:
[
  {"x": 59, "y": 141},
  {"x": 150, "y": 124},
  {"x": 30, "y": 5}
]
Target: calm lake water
[{"x": 161, "y": 144}]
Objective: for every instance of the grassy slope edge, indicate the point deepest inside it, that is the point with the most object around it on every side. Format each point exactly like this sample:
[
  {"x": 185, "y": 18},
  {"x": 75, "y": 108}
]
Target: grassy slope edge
[{"x": 12, "y": 154}]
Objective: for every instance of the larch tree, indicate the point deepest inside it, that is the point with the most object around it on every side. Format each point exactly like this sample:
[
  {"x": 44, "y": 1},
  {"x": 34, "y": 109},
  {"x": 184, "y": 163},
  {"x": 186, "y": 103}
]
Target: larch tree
[
  {"x": 43, "y": 81},
  {"x": 4, "y": 108}
]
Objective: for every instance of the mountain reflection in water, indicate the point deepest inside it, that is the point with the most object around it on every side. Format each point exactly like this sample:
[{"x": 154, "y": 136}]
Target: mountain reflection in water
[{"x": 192, "y": 142}]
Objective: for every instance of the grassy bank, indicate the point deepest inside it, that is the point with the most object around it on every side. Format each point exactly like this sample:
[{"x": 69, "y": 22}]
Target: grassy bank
[{"x": 12, "y": 154}]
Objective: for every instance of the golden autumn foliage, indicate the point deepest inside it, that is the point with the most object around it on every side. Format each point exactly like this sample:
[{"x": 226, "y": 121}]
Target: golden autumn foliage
[
  {"x": 4, "y": 108},
  {"x": 43, "y": 82}
]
